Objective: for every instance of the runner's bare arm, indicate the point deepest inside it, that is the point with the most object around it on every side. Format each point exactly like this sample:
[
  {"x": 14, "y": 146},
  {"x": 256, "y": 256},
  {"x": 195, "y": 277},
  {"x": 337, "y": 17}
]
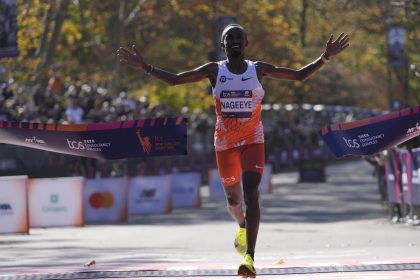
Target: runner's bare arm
[
  {"x": 332, "y": 48},
  {"x": 133, "y": 58}
]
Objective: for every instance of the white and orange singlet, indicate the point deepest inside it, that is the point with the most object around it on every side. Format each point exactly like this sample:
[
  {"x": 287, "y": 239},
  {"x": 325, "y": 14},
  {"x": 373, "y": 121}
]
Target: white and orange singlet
[{"x": 237, "y": 99}]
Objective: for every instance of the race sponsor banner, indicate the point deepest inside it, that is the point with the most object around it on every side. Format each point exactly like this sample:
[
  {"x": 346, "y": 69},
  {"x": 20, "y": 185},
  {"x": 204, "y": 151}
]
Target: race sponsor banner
[
  {"x": 415, "y": 181},
  {"x": 105, "y": 200},
  {"x": 265, "y": 184},
  {"x": 56, "y": 202},
  {"x": 186, "y": 189},
  {"x": 393, "y": 182},
  {"x": 8, "y": 29},
  {"x": 216, "y": 188},
  {"x": 14, "y": 204},
  {"x": 372, "y": 135},
  {"x": 150, "y": 195},
  {"x": 406, "y": 175},
  {"x": 109, "y": 140}
]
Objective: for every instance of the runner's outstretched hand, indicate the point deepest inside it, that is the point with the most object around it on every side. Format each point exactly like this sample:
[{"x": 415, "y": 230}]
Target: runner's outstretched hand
[
  {"x": 335, "y": 47},
  {"x": 131, "y": 57}
]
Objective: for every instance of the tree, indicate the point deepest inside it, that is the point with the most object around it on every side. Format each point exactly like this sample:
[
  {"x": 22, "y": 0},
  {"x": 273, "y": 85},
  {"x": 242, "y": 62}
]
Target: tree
[{"x": 77, "y": 40}]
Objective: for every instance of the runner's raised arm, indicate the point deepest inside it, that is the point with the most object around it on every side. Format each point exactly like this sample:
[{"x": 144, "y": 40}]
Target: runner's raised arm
[
  {"x": 332, "y": 48},
  {"x": 133, "y": 58}
]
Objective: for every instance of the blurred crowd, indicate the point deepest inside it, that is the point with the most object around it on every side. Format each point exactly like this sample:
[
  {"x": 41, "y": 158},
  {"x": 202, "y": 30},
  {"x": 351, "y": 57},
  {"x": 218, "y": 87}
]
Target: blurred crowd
[
  {"x": 71, "y": 103},
  {"x": 291, "y": 131}
]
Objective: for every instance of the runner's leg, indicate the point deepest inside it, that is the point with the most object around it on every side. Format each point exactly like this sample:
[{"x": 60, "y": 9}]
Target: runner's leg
[
  {"x": 234, "y": 203},
  {"x": 252, "y": 160},
  {"x": 251, "y": 180},
  {"x": 228, "y": 164}
]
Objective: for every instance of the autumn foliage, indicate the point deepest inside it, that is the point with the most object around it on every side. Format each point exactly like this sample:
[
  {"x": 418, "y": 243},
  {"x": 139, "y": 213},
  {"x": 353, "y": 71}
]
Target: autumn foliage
[{"x": 76, "y": 41}]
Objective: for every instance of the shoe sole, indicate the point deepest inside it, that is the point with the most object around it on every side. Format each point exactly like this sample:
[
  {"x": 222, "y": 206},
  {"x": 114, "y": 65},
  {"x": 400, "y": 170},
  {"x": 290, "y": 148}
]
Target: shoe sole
[{"x": 245, "y": 272}]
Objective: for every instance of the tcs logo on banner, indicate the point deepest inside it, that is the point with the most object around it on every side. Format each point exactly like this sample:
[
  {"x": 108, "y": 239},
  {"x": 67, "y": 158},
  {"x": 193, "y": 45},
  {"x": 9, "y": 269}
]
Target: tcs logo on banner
[
  {"x": 101, "y": 200},
  {"x": 76, "y": 145},
  {"x": 351, "y": 143}
]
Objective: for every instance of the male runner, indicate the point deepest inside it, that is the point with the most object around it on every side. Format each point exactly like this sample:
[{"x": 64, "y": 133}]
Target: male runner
[{"x": 239, "y": 135}]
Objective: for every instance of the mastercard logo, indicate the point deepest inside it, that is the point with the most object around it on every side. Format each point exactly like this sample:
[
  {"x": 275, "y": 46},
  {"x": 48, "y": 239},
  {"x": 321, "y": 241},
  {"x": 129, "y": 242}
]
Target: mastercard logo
[{"x": 101, "y": 199}]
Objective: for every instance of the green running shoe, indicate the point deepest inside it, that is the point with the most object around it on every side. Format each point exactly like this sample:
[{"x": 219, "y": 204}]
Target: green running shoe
[
  {"x": 240, "y": 241},
  {"x": 246, "y": 268}
]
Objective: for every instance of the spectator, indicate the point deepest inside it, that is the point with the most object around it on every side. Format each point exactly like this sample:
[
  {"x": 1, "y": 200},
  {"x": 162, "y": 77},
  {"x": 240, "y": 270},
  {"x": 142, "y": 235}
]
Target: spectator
[
  {"x": 55, "y": 85},
  {"x": 74, "y": 113}
]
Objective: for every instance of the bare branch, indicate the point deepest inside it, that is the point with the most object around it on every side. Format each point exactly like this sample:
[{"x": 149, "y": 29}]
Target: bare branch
[{"x": 134, "y": 13}]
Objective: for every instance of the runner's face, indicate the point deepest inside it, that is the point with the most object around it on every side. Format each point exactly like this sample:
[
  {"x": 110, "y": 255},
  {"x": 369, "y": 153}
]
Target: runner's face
[{"x": 235, "y": 42}]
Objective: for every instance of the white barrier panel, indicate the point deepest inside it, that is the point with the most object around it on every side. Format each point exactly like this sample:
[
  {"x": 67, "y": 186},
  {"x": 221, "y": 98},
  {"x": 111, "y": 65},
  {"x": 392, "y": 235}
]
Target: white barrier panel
[
  {"x": 14, "y": 204},
  {"x": 150, "y": 195},
  {"x": 105, "y": 200},
  {"x": 265, "y": 184},
  {"x": 56, "y": 202},
  {"x": 186, "y": 189},
  {"x": 216, "y": 188}
]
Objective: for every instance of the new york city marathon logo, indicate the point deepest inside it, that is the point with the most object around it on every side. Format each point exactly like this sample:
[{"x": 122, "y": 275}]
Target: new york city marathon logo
[
  {"x": 144, "y": 142},
  {"x": 414, "y": 129}
]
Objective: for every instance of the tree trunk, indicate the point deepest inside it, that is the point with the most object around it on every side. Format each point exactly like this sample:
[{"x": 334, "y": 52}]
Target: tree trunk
[
  {"x": 58, "y": 19},
  {"x": 303, "y": 23},
  {"x": 47, "y": 24},
  {"x": 85, "y": 33},
  {"x": 115, "y": 30}
]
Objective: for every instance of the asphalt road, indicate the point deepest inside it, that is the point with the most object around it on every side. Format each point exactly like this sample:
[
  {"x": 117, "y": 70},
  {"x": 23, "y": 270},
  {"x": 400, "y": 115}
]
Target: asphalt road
[{"x": 333, "y": 230}]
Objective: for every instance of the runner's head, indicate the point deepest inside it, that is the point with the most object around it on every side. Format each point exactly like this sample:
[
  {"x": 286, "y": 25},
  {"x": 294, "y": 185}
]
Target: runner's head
[{"x": 234, "y": 40}]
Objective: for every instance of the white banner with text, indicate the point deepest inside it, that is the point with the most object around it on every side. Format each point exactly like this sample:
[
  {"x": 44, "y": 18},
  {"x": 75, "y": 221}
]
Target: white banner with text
[
  {"x": 186, "y": 189},
  {"x": 14, "y": 204},
  {"x": 56, "y": 202},
  {"x": 105, "y": 200},
  {"x": 150, "y": 195}
]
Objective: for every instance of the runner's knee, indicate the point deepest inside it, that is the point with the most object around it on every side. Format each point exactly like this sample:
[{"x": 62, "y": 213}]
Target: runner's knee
[{"x": 233, "y": 200}]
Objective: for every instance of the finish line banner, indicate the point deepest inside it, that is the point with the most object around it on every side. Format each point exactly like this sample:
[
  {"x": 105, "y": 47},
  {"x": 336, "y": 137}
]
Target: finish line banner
[
  {"x": 108, "y": 140},
  {"x": 372, "y": 135}
]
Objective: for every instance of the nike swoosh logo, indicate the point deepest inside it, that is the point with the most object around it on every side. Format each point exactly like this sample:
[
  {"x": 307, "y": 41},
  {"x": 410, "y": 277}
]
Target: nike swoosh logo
[
  {"x": 258, "y": 167},
  {"x": 244, "y": 79}
]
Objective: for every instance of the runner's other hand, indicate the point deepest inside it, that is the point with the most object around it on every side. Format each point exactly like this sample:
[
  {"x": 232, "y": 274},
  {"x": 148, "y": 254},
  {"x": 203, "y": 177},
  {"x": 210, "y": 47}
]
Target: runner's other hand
[
  {"x": 335, "y": 47},
  {"x": 131, "y": 57}
]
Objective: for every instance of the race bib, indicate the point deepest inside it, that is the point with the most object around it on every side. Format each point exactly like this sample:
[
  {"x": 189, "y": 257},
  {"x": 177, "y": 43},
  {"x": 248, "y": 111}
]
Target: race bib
[{"x": 236, "y": 103}]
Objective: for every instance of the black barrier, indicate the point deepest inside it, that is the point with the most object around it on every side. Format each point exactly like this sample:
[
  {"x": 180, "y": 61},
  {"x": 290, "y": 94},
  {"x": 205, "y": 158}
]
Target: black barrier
[{"x": 312, "y": 170}]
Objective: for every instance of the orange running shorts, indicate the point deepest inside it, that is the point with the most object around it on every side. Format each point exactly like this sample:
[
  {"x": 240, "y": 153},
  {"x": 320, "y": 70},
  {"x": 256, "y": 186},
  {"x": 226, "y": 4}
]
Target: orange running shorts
[{"x": 231, "y": 163}]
